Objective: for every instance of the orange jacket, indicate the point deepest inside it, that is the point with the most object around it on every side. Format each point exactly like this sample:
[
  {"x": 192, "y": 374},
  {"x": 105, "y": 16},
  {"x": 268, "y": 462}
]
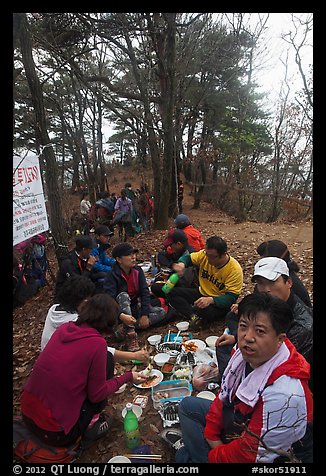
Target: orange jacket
[{"x": 195, "y": 238}]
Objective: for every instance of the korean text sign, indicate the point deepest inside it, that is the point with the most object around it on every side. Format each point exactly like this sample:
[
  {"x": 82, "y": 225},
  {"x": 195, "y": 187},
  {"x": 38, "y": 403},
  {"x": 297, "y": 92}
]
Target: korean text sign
[{"x": 29, "y": 211}]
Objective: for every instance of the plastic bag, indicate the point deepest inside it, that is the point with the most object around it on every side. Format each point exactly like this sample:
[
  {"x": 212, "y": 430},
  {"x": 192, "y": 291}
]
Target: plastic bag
[{"x": 203, "y": 374}]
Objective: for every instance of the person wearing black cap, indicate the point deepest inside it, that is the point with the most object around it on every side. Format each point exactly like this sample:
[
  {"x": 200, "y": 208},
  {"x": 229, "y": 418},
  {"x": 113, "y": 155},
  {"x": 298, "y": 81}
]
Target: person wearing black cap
[
  {"x": 177, "y": 248},
  {"x": 103, "y": 263},
  {"x": 126, "y": 282},
  {"x": 77, "y": 261}
]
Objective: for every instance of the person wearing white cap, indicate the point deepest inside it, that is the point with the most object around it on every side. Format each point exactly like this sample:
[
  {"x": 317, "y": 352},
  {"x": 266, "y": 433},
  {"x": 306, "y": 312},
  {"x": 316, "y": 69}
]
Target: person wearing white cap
[{"x": 272, "y": 275}]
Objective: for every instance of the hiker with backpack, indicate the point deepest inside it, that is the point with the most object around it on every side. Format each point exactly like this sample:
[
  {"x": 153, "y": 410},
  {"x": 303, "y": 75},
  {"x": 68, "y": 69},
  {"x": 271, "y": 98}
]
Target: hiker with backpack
[
  {"x": 104, "y": 209},
  {"x": 72, "y": 378},
  {"x": 123, "y": 215}
]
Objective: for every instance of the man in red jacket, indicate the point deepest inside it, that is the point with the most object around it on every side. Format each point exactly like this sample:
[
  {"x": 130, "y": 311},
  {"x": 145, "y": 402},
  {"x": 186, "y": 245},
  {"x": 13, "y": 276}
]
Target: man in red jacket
[{"x": 264, "y": 407}]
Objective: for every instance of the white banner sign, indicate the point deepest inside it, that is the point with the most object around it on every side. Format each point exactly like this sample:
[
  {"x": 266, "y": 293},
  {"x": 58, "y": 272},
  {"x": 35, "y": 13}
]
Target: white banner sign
[{"x": 29, "y": 211}]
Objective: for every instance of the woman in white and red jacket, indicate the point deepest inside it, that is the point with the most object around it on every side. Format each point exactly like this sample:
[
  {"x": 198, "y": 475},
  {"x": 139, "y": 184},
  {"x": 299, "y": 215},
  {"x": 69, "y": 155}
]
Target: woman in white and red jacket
[{"x": 264, "y": 403}]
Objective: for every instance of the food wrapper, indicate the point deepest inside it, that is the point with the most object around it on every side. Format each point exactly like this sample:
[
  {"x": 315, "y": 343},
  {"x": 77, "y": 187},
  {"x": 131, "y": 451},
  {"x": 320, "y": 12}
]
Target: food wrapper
[{"x": 203, "y": 374}]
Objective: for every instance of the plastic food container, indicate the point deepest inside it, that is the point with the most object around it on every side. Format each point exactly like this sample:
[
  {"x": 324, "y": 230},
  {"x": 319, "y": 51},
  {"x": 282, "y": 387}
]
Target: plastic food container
[
  {"x": 170, "y": 391},
  {"x": 167, "y": 369},
  {"x": 182, "y": 371}
]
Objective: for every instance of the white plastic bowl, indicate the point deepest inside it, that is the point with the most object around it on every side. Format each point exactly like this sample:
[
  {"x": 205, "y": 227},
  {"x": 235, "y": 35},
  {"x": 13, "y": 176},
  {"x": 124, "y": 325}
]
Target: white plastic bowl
[
  {"x": 122, "y": 388},
  {"x": 210, "y": 341},
  {"x": 206, "y": 394},
  {"x": 182, "y": 326},
  {"x": 154, "y": 339},
  {"x": 136, "y": 409},
  {"x": 119, "y": 459},
  {"x": 161, "y": 358}
]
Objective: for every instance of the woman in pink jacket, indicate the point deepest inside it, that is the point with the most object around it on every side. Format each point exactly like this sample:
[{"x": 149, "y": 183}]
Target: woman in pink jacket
[{"x": 72, "y": 378}]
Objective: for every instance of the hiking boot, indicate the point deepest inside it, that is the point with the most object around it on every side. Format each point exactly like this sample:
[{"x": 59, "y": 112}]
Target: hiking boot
[
  {"x": 99, "y": 429},
  {"x": 173, "y": 438},
  {"x": 132, "y": 341},
  {"x": 194, "y": 322}
]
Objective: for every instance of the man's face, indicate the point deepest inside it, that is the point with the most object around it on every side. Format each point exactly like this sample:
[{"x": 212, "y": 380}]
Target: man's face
[
  {"x": 85, "y": 253},
  {"x": 176, "y": 246},
  {"x": 277, "y": 288},
  {"x": 214, "y": 259},
  {"x": 103, "y": 239},
  {"x": 257, "y": 340}
]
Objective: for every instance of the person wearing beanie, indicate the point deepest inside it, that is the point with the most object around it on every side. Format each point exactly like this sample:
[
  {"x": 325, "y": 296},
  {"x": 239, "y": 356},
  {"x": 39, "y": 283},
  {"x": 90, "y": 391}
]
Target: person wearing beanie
[
  {"x": 195, "y": 239},
  {"x": 280, "y": 250}
]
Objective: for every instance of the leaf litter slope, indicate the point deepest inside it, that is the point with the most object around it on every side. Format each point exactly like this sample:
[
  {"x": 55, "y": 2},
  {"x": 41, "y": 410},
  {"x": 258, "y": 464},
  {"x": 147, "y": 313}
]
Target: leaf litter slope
[{"x": 242, "y": 240}]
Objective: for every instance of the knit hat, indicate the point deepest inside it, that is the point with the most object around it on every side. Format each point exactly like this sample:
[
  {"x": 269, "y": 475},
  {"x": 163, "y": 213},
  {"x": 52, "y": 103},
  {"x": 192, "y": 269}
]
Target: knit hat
[
  {"x": 270, "y": 268},
  {"x": 181, "y": 221},
  {"x": 84, "y": 241}
]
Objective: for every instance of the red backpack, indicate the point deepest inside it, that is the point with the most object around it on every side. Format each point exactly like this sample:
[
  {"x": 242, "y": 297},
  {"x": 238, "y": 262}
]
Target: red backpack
[{"x": 29, "y": 449}]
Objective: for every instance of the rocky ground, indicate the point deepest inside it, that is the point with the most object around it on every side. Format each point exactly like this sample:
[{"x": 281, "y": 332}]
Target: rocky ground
[{"x": 242, "y": 240}]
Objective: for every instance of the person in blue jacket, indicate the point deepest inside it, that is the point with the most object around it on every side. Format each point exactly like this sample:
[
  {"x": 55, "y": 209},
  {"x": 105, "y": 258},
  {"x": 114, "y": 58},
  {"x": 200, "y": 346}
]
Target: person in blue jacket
[{"x": 103, "y": 263}]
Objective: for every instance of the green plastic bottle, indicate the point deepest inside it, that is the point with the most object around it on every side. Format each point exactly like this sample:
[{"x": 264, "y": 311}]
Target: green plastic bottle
[
  {"x": 171, "y": 282},
  {"x": 131, "y": 428}
]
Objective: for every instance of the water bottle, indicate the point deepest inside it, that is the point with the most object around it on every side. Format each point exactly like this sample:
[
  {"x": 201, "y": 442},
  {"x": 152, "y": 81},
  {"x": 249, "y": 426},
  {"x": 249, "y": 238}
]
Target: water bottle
[
  {"x": 171, "y": 282},
  {"x": 154, "y": 268},
  {"x": 131, "y": 428}
]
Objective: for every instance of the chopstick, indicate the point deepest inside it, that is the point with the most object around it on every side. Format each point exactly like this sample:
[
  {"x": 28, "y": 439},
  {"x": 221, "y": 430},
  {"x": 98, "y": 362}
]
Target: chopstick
[
  {"x": 168, "y": 339},
  {"x": 140, "y": 456},
  {"x": 176, "y": 337}
]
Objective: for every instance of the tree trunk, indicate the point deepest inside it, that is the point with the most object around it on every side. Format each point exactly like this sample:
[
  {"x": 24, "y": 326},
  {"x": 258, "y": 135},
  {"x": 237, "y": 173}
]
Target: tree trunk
[{"x": 42, "y": 139}]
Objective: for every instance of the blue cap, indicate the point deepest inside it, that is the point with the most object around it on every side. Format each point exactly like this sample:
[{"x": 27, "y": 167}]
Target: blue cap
[{"x": 182, "y": 221}]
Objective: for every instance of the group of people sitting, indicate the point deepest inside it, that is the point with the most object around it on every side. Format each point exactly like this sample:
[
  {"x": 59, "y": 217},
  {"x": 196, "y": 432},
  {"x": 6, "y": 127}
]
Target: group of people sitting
[{"x": 264, "y": 406}]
